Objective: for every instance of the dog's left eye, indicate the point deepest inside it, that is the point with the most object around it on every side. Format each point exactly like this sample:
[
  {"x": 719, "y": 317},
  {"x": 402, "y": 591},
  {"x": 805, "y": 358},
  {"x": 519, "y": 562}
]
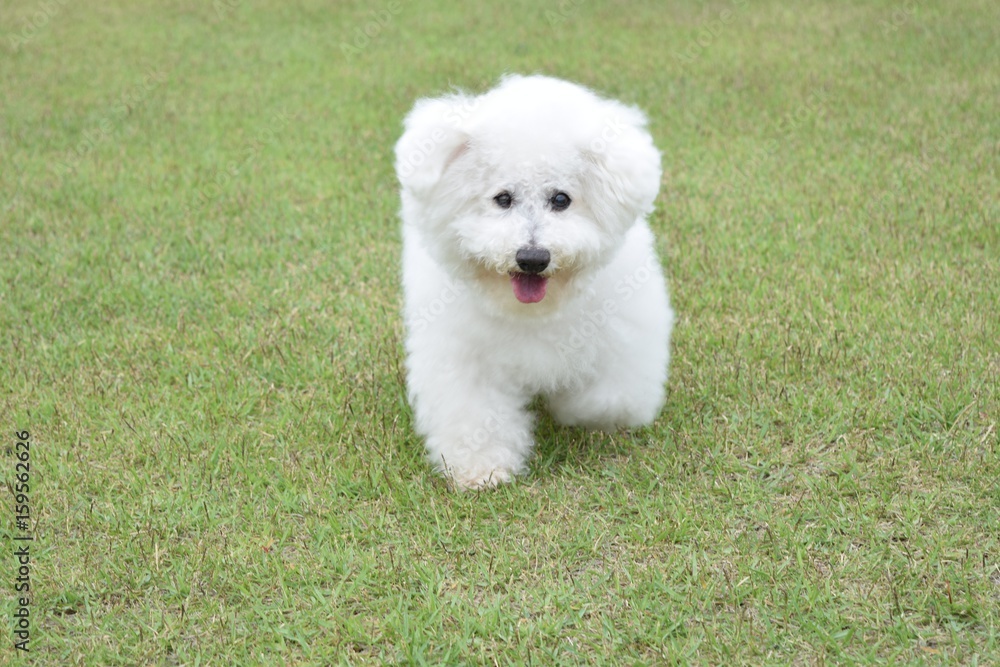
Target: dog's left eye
[{"x": 560, "y": 201}]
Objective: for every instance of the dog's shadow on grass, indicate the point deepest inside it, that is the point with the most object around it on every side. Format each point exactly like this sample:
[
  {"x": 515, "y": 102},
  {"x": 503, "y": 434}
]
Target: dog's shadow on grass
[{"x": 559, "y": 447}]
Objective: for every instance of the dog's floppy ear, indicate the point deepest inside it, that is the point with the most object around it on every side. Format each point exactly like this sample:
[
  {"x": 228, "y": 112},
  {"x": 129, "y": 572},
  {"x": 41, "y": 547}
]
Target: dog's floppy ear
[
  {"x": 624, "y": 173},
  {"x": 432, "y": 140}
]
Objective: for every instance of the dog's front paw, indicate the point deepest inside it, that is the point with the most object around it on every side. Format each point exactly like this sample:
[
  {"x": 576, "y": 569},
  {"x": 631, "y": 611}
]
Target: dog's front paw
[{"x": 468, "y": 480}]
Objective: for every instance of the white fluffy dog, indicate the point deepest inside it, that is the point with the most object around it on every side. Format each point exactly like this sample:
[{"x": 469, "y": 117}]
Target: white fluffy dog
[{"x": 528, "y": 270}]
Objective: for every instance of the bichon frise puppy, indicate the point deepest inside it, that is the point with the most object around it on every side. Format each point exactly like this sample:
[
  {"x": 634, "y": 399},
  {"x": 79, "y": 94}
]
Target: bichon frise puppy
[{"x": 528, "y": 270}]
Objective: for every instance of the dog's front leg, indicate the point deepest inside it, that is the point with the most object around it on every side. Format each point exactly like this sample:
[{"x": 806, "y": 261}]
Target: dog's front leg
[{"x": 478, "y": 436}]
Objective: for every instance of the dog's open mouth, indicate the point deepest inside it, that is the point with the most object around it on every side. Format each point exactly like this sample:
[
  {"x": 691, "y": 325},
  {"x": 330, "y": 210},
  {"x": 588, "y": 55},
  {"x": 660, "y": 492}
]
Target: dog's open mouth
[{"x": 528, "y": 287}]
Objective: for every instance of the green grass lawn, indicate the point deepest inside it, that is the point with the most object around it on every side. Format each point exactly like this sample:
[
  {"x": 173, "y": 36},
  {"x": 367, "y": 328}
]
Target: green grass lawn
[{"x": 199, "y": 327}]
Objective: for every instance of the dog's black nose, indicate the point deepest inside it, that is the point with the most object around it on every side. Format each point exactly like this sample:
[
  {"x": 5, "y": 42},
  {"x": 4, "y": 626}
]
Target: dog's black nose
[{"x": 533, "y": 260}]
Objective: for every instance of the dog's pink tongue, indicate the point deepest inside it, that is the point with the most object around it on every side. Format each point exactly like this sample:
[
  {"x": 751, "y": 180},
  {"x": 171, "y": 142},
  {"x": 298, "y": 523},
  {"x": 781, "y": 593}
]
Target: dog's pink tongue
[{"x": 528, "y": 287}]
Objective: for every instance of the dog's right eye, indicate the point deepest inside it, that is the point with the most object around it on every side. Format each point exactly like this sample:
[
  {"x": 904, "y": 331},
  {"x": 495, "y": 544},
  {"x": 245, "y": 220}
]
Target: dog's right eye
[
  {"x": 560, "y": 201},
  {"x": 504, "y": 200}
]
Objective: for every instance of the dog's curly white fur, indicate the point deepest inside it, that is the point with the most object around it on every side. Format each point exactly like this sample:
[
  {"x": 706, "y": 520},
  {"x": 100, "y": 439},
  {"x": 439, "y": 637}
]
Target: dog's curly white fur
[{"x": 528, "y": 269}]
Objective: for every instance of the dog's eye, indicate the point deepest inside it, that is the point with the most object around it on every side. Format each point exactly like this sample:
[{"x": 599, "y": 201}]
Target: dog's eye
[
  {"x": 504, "y": 200},
  {"x": 560, "y": 201}
]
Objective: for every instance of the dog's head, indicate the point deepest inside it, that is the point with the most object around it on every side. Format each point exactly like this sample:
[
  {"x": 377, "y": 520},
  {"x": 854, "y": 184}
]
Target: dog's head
[{"x": 526, "y": 188}]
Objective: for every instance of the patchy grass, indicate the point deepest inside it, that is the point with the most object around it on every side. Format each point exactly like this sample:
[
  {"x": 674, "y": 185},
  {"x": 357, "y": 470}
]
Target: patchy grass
[{"x": 200, "y": 326}]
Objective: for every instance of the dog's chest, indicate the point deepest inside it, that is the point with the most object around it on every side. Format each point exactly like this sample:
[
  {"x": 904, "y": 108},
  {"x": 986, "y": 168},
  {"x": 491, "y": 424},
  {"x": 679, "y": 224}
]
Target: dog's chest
[{"x": 539, "y": 358}]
